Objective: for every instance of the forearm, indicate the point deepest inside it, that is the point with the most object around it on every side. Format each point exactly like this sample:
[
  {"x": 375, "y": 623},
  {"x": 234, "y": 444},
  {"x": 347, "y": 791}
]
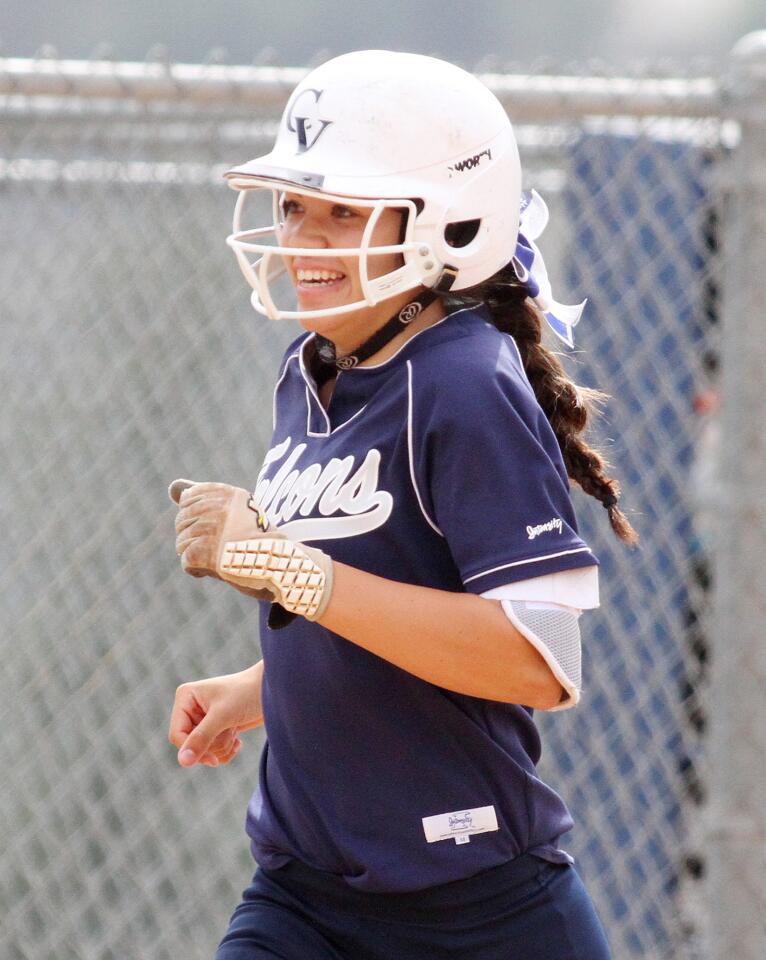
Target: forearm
[
  {"x": 256, "y": 675},
  {"x": 455, "y": 640}
]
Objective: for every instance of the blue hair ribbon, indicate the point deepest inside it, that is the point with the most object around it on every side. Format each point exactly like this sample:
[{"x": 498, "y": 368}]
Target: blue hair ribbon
[{"x": 530, "y": 268}]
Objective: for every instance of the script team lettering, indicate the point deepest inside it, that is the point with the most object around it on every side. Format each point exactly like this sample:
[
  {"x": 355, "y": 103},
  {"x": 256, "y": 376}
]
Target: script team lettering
[{"x": 347, "y": 499}]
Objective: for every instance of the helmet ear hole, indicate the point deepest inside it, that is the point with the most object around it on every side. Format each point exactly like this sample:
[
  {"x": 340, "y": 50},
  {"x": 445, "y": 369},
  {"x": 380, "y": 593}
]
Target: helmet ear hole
[{"x": 461, "y": 233}]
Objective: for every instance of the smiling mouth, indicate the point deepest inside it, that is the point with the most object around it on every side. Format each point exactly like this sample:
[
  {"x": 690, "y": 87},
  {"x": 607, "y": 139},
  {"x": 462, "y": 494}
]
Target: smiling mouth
[{"x": 315, "y": 279}]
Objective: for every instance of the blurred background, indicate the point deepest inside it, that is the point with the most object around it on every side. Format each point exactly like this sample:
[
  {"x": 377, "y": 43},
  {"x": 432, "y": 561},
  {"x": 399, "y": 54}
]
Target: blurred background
[
  {"x": 131, "y": 356},
  {"x": 295, "y": 31}
]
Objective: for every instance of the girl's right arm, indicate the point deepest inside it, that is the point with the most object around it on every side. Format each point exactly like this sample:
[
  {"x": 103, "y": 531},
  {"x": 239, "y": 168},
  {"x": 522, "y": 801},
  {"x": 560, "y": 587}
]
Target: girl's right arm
[{"x": 208, "y": 716}]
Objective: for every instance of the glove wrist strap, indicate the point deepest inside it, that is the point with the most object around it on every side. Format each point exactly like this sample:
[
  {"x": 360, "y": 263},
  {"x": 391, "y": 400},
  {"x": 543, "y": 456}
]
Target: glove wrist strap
[{"x": 302, "y": 577}]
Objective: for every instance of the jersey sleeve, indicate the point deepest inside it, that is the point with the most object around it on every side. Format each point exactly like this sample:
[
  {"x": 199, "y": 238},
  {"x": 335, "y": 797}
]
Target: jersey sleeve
[{"x": 487, "y": 467}]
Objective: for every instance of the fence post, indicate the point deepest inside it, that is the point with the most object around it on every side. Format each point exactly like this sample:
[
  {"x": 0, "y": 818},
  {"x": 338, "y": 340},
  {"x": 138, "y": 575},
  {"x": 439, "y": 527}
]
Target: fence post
[{"x": 736, "y": 885}]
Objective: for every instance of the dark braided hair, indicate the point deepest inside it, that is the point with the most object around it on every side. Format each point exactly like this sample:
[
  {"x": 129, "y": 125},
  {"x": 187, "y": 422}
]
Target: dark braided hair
[{"x": 566, "y": 405}]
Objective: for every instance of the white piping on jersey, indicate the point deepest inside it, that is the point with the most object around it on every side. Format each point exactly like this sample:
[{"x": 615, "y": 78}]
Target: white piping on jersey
[
  {"x": 521, "y": 365},
  {"x": 277, "y": 386},
  {"x": 410, "y": 449},
  {"x": 328, "y": 433},
  {"x": 310, "y": 387},
  {"x": 311, "y": 391},
  {"x": 518, "y": 563},
  {"x": 521, "y": 361},
  {"x": 353, "y": 416},
  {"x": 518, "y": 352},
  {"x": 309, "y": 432}
]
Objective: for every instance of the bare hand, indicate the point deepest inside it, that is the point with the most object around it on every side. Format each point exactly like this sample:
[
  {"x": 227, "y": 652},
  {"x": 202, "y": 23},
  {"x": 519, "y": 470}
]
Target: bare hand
[{"x": 208, "y": 716}]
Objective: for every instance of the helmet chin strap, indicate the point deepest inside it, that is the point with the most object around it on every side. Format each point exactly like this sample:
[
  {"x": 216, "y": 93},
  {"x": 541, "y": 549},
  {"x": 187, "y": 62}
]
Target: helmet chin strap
[
  {"x": 326, "y": 348},
  {"x": 394, "y": 325}
]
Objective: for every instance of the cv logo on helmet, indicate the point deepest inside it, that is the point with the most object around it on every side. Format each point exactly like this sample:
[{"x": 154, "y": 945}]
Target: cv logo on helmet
[{"x": 301, "y": 122}]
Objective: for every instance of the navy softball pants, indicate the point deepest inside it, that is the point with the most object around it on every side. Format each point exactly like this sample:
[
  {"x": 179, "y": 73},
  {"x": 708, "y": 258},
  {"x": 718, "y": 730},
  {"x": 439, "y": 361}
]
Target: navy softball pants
[{"x": 527, "y": 909}]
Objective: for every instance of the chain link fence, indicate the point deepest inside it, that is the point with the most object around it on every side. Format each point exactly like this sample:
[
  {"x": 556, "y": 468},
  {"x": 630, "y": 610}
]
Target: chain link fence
[{"x": 132, "y": 357}]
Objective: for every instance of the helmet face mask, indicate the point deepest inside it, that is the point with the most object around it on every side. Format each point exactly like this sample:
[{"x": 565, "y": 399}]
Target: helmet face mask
[
  {"x": 419, "y": 261},
  {"x": 378, "y": 130}
]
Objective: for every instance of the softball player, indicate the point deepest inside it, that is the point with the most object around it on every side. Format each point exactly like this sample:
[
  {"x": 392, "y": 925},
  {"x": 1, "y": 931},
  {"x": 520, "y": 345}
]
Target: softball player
[{"x": 410, "y": 534}]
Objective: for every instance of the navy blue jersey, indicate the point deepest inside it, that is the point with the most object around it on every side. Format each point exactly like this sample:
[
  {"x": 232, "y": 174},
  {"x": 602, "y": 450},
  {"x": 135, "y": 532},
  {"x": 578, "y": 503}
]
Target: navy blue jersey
[{"x": 435, "y": 468}]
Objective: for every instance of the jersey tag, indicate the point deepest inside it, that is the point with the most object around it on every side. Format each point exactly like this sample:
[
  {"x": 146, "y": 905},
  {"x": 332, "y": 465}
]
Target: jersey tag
[{"x": 460, "y": 824}]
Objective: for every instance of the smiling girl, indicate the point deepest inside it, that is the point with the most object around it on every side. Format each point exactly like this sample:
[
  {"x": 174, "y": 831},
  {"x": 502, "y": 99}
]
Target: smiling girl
[{"x": 410, "y": 538}]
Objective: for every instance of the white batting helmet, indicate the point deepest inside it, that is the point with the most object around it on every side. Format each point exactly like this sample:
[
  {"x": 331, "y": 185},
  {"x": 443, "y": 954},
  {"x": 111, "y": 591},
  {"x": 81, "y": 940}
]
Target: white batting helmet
[{"x": 379, "y": 129}]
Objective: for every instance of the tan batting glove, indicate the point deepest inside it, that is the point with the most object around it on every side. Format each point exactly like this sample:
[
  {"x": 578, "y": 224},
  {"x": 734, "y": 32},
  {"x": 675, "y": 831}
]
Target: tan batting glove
[{"x": 222, "y": 532}]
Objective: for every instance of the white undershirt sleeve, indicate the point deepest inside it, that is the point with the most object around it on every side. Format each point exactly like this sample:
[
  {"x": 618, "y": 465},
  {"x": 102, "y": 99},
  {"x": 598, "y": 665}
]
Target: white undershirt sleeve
[{"x": 573, "y": 588}]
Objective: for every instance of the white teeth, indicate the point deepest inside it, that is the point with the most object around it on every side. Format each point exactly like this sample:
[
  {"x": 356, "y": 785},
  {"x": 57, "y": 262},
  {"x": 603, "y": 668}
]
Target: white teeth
[{"x": 317, "y": 275}]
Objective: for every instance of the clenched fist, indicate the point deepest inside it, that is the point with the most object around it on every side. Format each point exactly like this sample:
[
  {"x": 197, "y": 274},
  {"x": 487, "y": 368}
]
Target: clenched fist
[
  {"x": 222, "y": 532},
  {"x": 210, "y": 515}
]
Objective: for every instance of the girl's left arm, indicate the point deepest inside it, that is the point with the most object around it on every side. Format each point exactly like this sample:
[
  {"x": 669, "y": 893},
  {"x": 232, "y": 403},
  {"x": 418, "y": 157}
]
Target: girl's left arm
[{"x": 459, "y": 641}]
